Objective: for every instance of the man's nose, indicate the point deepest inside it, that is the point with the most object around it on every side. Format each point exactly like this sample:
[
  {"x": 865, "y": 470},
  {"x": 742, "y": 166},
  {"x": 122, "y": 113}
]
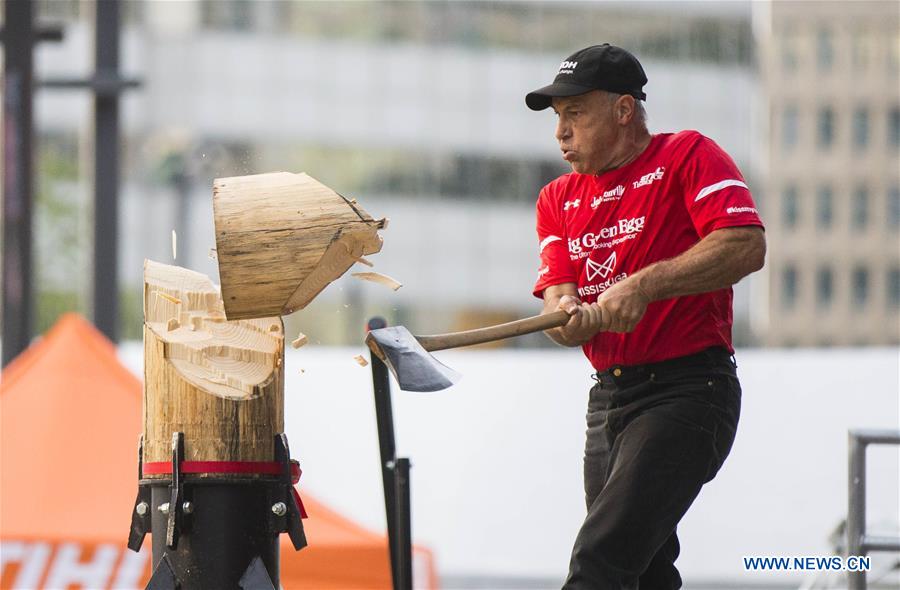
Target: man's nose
[{"x": 563, "y": 131}]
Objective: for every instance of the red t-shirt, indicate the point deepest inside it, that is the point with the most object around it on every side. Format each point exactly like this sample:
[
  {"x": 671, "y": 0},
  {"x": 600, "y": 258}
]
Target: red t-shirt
[{"x": 595, "y": 230}]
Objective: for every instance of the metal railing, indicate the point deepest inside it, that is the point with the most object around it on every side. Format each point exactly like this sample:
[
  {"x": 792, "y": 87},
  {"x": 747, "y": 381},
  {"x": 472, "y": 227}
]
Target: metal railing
[{"x": 858, "y": 542}]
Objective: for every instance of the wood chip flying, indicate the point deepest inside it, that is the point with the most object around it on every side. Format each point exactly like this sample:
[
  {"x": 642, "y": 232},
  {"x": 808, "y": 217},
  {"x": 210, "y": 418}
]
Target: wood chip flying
[
  {"x": 300, "y": 340},
  {"x": 377, "y": 277},
  {"x": 174, "y": 245},
  {"x": 361, "y": 360},
  {"x": 168, "y": 297},
  {"x": 365, "y": 261}
]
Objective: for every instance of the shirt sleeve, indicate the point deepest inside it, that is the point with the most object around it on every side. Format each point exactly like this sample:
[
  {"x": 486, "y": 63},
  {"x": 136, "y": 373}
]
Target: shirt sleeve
[
  {"x": 715, "y": 192},
  {"x": 556, "y": 267}
]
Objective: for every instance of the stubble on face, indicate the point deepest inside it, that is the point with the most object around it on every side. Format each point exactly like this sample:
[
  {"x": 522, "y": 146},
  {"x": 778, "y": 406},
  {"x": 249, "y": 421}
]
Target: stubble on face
[{"x": 586, "y": 130}]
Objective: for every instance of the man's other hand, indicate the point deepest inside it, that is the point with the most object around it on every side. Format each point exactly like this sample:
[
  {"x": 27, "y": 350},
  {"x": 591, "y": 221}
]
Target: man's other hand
[{"x": 623, "y": 304}]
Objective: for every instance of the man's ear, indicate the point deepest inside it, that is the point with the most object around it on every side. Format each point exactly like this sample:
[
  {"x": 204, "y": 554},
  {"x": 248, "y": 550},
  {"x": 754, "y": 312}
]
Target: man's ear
[{"x": 624, "y": 109}]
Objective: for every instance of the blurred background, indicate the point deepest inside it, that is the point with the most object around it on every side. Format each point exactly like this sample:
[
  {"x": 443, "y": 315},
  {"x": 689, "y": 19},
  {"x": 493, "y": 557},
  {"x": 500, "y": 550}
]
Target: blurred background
[{"x": 416, "y": 109}]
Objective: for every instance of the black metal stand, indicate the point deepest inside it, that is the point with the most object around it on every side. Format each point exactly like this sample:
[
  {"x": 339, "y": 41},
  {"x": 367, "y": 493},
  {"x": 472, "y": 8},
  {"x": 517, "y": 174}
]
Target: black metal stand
[
  {"x": 394, "y": 474},
  {"x": 220, "y": 533}
]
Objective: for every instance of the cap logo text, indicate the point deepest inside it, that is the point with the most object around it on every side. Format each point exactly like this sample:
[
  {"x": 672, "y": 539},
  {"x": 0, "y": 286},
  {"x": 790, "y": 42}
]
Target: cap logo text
[{"x": 567, "y": 67}]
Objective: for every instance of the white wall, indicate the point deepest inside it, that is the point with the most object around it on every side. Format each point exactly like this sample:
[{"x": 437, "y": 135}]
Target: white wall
[{"x": 496, "y": 477}]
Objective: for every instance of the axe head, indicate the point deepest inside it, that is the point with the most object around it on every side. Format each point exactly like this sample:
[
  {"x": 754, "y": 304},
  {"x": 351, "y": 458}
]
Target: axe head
[{"x": 413, "y": 366}]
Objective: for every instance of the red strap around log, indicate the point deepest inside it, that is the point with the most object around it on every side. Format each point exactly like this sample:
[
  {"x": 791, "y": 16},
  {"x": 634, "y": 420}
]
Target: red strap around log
[{"x": 244, "y": 467}]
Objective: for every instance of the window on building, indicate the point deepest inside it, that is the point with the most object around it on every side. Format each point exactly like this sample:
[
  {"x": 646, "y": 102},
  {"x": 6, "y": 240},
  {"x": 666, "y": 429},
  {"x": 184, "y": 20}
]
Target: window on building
[
  {"x": 861, "y": 127},
  {"x": 824, "y": 50},
  {"x": 789, "y": 127},
  {"x": 824, "y": 286},
  {"x": 825, "y": 127},
  {"x": 861, "y": 50},
  {"x": 790, "y": 206},
  {"x": 894, "y": 127},
  {"x": 788, "y": 52},
  {"x": 860, "y": 210},
  {"x": 893, "y": 203},
  {"x": 825, "y": 207},
  {"x": 860, "y": 285},
  {"x": 789, "y": 286},
  {"x": 893, "y": 287}
]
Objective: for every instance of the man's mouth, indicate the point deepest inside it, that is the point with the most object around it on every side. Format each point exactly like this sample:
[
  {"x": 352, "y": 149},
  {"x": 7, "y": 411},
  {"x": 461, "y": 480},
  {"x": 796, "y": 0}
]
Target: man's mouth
[{"x": 568, "y": 155}]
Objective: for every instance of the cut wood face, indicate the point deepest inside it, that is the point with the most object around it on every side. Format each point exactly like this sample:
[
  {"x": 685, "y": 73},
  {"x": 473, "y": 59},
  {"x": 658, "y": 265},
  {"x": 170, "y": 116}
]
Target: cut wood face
[
  {"x": 230, "y": 359},
  {"x": 281, "y": 238}
]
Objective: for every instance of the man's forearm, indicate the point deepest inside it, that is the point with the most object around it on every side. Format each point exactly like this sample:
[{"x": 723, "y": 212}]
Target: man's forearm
[{"x": 716, "y": 262}]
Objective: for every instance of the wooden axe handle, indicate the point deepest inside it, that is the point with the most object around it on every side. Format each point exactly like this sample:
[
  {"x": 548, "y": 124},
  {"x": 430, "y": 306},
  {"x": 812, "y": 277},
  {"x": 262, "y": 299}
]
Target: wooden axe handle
[{"x": 492, "y": 333}]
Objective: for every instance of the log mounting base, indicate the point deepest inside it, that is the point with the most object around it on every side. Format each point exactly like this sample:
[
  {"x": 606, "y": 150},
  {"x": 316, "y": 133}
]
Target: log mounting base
[{"x": 216, "y": 533}]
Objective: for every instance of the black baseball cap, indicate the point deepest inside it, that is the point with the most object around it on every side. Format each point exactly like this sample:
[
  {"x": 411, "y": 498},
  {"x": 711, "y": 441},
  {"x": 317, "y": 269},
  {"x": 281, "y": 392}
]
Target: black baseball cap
[{"x": 599, "y": 67}]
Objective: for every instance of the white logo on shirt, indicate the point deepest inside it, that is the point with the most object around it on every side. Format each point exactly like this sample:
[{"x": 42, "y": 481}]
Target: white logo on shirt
[
  {"x": 602, "y": 268},
  {"x": 610, "y": 195},
  {"x": 733, "y": 210},
  {"x": 571, "y": 204},
  {"x": 544, "y": 270},
  {"x": 649, "y": 178},
  {"x": 626, "y": 228}
]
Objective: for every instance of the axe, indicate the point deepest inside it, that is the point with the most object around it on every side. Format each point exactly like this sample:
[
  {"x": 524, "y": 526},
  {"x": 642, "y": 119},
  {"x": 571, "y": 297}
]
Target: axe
[{"x": 416, "y": 370}]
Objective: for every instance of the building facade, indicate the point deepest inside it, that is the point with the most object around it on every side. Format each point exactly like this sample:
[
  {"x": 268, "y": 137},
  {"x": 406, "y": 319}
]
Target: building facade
[{"x": 832, "y": 170}]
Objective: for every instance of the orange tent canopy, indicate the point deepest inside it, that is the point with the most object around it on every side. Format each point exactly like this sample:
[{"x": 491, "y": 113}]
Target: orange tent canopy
[{"x": 70, "y": 421}]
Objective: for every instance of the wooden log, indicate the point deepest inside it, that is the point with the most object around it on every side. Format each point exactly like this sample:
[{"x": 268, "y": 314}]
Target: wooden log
[
  {"x": 281, "y": 238},
  {"x": 219, "y": 382}
]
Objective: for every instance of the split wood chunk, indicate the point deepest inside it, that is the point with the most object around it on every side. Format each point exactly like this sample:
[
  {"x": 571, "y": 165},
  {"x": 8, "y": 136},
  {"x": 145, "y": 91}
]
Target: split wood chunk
[
  {"x": 281, "y": 238},
  {"x": 377, "y": 277},
  {"x": 221, "y": 383},
  {"x": 300, "y": 340}
]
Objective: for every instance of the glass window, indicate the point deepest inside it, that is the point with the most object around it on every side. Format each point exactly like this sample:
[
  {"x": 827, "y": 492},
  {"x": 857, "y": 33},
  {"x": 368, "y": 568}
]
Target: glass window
[
  {"x": 860, "y": 285},
  {"x": 824, "y": 50},
  {"x": 824, "y": 286},
  {"x": 861, "y": 49},
  {"x": 789, "y": 286},
  {"x": 788, "y": 53},
  {"x": 861, "y": 127},
  {"x": 893, "y": 207},
  {"x": 860, "y": 213},
  {"x": 826, "y": 127},
  {"x": 893, "y": 287},
  {"x": 789, "y": 127},
  {"x": 894, "y": 127},
  {"x": 825, "y": 207},
  {"x": 791, "y": 206}
]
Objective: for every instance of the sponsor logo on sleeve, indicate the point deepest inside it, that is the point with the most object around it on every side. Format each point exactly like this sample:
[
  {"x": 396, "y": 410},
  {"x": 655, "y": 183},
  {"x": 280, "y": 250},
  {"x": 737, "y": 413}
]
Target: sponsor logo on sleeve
[
  {"x": 650, "y": 178},
  {"x": 543, "y": 270},
  {"x": 736, "y": 210}
]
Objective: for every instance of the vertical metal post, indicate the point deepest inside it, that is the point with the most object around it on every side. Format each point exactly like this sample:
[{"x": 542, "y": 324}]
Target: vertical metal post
[
  {"x": 106, "y": 170},
  {"x": 386, "y": 444},
  {"x": 17, "y": 182},
  {"x": 856, "y": 509},
  {"x": 403, "y": 533}
]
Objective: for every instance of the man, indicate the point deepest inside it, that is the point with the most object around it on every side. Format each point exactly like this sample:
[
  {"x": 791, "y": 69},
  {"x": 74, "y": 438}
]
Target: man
[{"x": 641, "y": 244}]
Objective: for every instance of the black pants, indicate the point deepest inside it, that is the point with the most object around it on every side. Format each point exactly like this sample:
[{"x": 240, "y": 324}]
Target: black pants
[{"x": 656, "y": 433}]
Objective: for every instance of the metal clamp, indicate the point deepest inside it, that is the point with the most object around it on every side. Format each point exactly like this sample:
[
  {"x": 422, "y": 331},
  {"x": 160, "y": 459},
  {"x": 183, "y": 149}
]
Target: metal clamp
[
  {"x": 140, "y": 516},
  {"x": 289, "y": 519}
]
